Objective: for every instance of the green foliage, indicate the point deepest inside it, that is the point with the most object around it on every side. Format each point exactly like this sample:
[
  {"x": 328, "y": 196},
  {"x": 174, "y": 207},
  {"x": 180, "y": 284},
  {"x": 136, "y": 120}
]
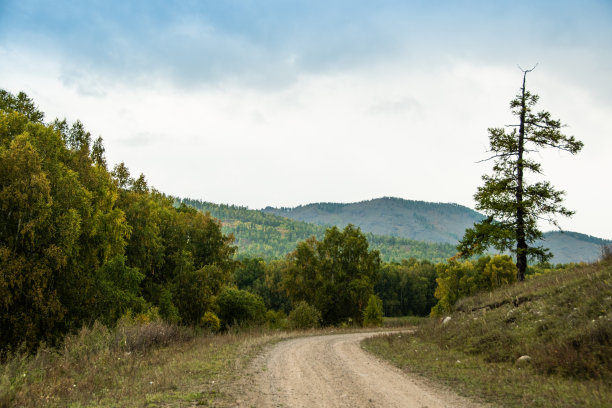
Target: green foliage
[
  {"x": 250, "y": 273},
  {"x": 460, "y": 279},
  {"x": 373, "y": 313},
  {"x": 79, "y": 243},
  {"x": 118, "y": 288},
  {"x": 195, "y": 291},
  {"x": 304, "y": 316},
  {"x": 277, "y": 319},
  {"x": 210, "y": 322},
  {"x": 239, "y": 307},
  {"x": 22, "y": 104},
  {"x": 264, "y": 235},
  {"x": 499, "y": 271},
  {"x": 336, "y": 275},
  {"x": 514, "y": 206},
  {"x": 407, "y": 288}
]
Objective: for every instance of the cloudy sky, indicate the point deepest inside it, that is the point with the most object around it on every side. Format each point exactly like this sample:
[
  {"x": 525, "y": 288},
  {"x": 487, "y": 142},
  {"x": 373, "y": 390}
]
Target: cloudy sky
[{"x": 286, "y": 102}]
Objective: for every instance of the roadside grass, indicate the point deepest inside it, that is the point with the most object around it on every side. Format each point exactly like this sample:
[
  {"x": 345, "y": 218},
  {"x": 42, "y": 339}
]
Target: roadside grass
[
  {"x": 146, "y": 365},
  {"x": 404, "y": 321},
  {"x": 561, "y": 320},
  {"x": 142, "y": 364}
]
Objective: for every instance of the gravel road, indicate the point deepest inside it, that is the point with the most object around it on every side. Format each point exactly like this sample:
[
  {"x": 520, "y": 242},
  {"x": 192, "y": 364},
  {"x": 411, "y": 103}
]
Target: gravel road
[{"x": 333, "y": 371}]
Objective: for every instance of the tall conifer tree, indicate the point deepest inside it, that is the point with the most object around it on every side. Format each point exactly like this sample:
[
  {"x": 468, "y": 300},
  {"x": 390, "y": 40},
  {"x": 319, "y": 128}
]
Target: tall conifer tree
[{"x": 513, "y": 206}]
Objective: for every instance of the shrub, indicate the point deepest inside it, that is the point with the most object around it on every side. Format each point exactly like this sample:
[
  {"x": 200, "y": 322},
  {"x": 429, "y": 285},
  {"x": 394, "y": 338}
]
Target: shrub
[
  {"x": 276, "y": 319},
  {"x": 137, "y": 334},
  {"x": 210, "y": 322},
  {"x": 239, "y": 307},
  {"x": 500, "y": 271},
  {"x": 373, "y": 313},
  {"x": 304, "y": 316}
]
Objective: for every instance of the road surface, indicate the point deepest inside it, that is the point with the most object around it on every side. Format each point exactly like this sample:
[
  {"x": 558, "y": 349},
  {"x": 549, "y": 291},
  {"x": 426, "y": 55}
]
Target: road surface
[{"x": 333, "y": 371}]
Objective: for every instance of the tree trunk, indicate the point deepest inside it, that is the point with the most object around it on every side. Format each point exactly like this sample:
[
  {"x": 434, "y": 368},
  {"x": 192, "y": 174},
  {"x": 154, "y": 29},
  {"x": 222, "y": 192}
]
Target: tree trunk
[{"x": 521, "y": 244}]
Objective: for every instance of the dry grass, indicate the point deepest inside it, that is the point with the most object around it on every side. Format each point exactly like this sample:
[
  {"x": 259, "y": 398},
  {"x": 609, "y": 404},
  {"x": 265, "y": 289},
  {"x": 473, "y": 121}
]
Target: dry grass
[
  {"x": 562, "y": 320},
  {"x": 151, "y": 364}
]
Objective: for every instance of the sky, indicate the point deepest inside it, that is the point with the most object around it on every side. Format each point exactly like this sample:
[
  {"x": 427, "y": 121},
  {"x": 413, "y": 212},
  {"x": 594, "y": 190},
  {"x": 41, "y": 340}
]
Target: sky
[{"x": 282, "y": 103}]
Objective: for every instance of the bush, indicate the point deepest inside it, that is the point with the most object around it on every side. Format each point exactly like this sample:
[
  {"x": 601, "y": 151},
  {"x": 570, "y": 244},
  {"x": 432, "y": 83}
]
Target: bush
[
  {"x": 304, "y": 316},
  {"x": 210, "y": 322},
  {"x": 373, "y": 313},
  {"x": 138, "y": 334},
  {"x": 276, "y": 319},
  {"x": 239, "y": 307}
]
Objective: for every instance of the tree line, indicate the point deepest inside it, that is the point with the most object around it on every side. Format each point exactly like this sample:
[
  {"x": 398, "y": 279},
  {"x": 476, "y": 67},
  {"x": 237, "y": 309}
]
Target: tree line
[{"x": 81, "y": 243}]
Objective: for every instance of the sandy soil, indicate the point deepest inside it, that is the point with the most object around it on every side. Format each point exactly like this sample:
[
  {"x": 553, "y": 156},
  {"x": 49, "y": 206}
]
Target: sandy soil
[{"x": 333, "y": 371}]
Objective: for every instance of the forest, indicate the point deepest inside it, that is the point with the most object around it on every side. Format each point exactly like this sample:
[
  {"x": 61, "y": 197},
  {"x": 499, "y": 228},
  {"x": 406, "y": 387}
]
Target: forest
[
  {"x": 270, "y": 236},
  {"x": 81, "y": 243}
]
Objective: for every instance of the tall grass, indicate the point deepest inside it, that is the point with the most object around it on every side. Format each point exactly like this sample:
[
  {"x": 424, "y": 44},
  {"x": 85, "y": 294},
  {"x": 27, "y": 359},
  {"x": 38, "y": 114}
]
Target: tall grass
[{"x": 133, "y": 364}]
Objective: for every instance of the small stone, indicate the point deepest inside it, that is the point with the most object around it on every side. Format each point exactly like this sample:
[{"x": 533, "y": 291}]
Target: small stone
[{"x": 523, "y": 359}]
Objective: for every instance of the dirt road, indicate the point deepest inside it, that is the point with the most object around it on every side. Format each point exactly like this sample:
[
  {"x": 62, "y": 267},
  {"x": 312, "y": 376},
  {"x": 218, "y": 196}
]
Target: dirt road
[{"x": 333, "y": 371}]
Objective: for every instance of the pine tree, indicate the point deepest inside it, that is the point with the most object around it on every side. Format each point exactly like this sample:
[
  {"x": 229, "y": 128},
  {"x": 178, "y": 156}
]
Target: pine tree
[{"x": 512, "y": 204}]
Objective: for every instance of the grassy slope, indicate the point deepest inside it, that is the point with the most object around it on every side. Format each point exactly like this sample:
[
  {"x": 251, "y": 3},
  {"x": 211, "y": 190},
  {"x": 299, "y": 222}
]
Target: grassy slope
[{"x": 563, "y": 321}]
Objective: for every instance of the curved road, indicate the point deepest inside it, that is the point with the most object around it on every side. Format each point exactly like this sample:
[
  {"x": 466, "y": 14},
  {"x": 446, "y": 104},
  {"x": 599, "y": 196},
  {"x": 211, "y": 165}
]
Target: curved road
[{"x": 333, "y": 371}]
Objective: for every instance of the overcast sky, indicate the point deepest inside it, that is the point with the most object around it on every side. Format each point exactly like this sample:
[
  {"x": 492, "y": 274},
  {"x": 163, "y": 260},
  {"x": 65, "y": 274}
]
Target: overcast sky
[{"x": 283, "y": 103}]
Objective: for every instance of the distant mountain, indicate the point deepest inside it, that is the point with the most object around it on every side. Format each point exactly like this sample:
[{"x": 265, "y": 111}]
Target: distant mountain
[
  {"x": 571, "y": 246},
  {"x": 430, "y": 222},
  {"x": 260, "y": 234},
  {"x": 418, "y": 220}
]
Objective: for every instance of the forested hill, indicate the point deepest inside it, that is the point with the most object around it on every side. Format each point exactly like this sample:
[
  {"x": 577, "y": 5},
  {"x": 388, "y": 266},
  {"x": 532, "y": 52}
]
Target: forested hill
[
  {"x": 432, "y": 222},
  {"x": 270, "y": 236},
  {"x": 573, "y": 247},
  {"x": 418, "y": 220}
]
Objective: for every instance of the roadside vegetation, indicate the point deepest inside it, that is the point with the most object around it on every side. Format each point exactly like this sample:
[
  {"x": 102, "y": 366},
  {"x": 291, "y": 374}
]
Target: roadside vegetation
[
  {"x": 135, "y": 364},
  {"x": 561, "y": 320}
]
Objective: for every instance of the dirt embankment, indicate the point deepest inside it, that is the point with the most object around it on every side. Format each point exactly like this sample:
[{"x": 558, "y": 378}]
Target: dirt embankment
[{"x": 333, "y": 371}]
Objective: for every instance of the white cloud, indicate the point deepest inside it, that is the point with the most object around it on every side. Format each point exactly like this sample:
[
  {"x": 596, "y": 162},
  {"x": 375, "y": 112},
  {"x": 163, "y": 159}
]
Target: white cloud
[{"x": 247, "y": 122}]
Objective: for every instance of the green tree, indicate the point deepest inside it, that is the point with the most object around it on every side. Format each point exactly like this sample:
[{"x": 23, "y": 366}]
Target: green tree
[
  {"x": 240, "y": 307},
  {"x": 373, "y": 313},
  {"x": 458, "y": 279},
  {"x": 513, "y": 205},
  {"x": 304, "y": 316},
  {"x": 335, "y": 275},
  {"x": 195, "y": 292}
]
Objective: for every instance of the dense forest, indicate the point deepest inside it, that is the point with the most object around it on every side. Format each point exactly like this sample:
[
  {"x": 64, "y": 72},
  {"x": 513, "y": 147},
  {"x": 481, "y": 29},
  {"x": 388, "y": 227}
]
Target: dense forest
[{"x": 80, "y": 243}]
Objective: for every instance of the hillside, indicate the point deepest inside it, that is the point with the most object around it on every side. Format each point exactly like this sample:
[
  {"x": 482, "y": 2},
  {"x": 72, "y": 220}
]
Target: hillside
[
  {"x": 431, "y": 222},
  {"x": 570, "y": 246},
  {"x": 261, "y": 234},
  {"x": 418, "y": 220},
  {"x": 561, "y": 320}
]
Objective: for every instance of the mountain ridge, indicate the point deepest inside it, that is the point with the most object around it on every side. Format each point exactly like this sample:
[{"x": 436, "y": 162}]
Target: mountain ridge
[{"x": 430, "y": 222}]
